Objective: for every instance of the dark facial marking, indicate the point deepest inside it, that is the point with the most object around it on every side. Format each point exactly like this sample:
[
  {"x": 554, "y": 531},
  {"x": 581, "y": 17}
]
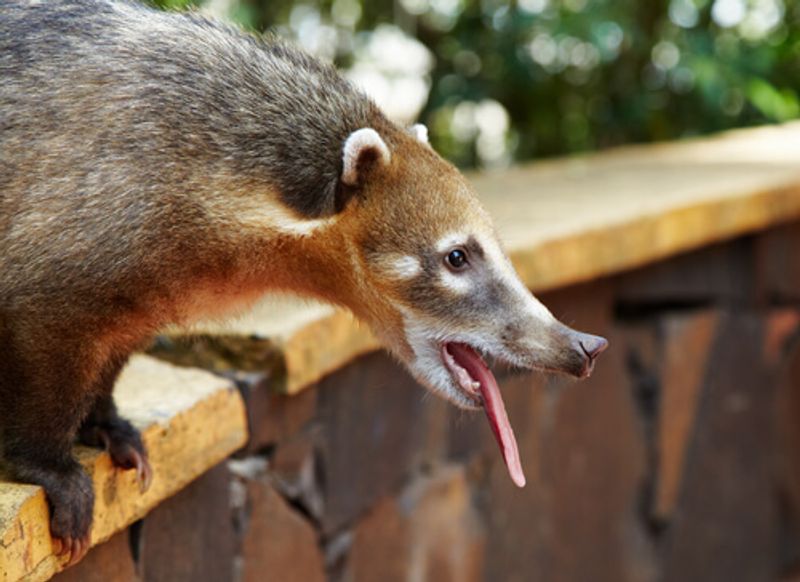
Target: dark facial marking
[{"x": 474, "y": 248}]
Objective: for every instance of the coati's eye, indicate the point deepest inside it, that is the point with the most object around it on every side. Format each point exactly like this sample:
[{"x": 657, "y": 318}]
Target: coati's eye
[{"x": 456, "y": 259}]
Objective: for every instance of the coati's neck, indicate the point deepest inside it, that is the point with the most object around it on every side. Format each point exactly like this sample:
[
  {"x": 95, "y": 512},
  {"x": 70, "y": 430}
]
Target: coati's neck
[{"x": 323, "y": 267}]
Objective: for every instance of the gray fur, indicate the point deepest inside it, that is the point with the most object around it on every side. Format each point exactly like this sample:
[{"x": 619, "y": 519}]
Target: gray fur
[{"x": 117, "y": 83}]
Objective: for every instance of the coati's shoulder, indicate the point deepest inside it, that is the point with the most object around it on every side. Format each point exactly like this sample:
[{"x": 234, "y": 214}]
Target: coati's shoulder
[{"x": 163, "y": 88}]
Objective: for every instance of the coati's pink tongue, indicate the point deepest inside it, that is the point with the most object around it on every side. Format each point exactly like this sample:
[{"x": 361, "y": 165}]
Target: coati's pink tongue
[{"x": 466, "y": 357}]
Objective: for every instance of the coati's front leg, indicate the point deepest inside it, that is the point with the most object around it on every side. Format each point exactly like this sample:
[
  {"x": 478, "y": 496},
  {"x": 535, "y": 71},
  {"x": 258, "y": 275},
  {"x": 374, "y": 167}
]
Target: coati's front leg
[
  {"x": 43, "y": 402},
  {"x": 104, "y": 428},
  {"x": 45, "y": 398},
  {"x": 68, "y": 488}
]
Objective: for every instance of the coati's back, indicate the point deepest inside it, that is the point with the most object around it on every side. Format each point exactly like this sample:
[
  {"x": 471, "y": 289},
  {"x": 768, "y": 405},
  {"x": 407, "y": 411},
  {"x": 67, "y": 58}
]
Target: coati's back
[{"x": 119, "y": 125}]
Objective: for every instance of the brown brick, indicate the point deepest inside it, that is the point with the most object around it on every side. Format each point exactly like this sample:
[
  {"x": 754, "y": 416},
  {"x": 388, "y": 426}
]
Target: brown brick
[
  {"x": 719, "y": 273},
  {"x": 782, "y": 325},
  {"x": 782, "y": 350},
  {"x": 594, "y": 465},
  {"x": 436, "y": 422},
  {"x": 687, "y": 340},
  {"x": 778, "y": 268},
  {"x": 788, "y": 433},
  {"x": 111, "y": 561},
  {"x": 190, "y": 536},
  {"x": 293, "y": 468},
  {"x": 431, "y": 532},
  {"x": 381, "y": 545},
  {"x": 278, "y": 544},
  {"x": 726, "y": 524},
  {"x": 374, "y": 420},
  {"x": 587, "y": 307},
  {"x": 274, "y": 417}
]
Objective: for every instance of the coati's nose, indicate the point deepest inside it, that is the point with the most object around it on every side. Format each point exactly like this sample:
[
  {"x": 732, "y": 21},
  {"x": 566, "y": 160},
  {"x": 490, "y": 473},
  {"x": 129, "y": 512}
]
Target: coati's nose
[
  {"x": 592, "y": 345},
  {"x": 588, "y": 347}
]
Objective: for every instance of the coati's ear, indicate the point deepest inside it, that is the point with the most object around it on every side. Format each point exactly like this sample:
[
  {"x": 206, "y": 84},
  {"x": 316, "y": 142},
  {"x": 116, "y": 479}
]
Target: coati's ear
[
  {"x": 420, "y": 132},
  {"x": 362, "y": 149}
]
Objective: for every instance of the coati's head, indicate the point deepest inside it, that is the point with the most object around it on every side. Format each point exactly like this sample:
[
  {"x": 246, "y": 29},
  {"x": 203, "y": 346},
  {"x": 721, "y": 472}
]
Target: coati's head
[{"x": 426, "y": 270}]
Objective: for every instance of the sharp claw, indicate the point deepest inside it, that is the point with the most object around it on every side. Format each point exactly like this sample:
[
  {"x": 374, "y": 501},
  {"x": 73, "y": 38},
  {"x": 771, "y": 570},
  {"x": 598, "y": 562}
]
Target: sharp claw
[
  {"x": 65, "y": 548},
  {"x": 127, "y": 457},
  {"x": 74, "y": 548},
  {"x": 74, "y": 551},
  {"x": 144, "y": 474},
  {"x": 79, "y": 548}
]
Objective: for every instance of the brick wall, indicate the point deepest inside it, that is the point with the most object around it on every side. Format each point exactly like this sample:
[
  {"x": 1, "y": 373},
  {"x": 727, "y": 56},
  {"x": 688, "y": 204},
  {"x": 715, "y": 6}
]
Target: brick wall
[{"x": 678, "y": 460}]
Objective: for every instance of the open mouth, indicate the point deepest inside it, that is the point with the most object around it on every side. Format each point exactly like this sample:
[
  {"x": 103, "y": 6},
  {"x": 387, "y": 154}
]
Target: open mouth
[{"x": 479, "y": 386}]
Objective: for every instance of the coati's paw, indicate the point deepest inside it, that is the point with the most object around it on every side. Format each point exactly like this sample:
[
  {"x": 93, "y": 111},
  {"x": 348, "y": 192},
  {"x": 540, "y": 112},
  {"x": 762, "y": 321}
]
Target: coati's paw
[
  {"x": 126, "y": 455},
  {"x": 124, "y": 444},
  {"x": 71, "y": 503}
]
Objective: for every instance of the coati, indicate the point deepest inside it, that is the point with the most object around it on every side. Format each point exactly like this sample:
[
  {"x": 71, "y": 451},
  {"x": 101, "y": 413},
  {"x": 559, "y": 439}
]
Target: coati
[{"x": 156, "y": 167}]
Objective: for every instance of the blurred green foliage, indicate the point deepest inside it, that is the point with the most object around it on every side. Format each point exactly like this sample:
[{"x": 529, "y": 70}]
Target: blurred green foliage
[{"x": 576, "y": 75}]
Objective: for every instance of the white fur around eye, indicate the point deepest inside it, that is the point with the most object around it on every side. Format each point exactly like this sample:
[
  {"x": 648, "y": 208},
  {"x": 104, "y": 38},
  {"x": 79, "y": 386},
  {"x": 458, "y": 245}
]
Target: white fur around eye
[{"x": 454, "y": 282}]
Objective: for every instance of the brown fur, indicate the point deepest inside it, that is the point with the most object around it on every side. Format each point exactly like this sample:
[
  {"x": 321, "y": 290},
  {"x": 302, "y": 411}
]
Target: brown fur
[{"x": 160, "y": 167}]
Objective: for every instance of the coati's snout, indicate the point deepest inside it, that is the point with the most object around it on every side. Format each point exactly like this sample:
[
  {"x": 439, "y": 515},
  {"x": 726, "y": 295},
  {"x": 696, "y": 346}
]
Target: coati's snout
[
  {"x": 575, "y": 353},
  {"x": 443, "y": 294}
]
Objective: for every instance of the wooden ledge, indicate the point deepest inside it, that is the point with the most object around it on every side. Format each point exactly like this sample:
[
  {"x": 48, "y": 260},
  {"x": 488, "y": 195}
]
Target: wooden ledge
[
  {"x": 190, "y": 421},
  {"x": 293, "y": 341},
  {"x": 563, "y": 222},
  {"x": 574, "y": 220}
]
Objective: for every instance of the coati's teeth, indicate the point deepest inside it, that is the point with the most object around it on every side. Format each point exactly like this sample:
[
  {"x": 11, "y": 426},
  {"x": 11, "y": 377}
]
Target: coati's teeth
[{"x": 463, "y": 378}]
